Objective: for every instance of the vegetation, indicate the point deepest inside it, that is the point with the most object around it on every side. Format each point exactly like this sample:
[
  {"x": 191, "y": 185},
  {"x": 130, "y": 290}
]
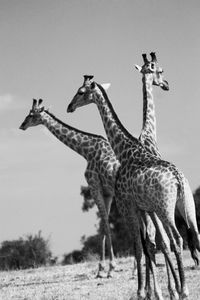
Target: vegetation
[{"x": 33, "y": 251}]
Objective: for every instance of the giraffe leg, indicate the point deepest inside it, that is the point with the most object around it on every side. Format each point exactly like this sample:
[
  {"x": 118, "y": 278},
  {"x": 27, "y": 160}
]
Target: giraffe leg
[
  {"x": 101, "y": 265},
  {"x": 106, "y": 229},
  {"x": 104, "y": 225},
  {"x": 112, "y": 264},
  {"x": 157, "y": 289},
  {"x": 141, "y": 293},
  {"x": 173, "y": 293},
  {"x": 143, "y": 225},
  {"x": 134, "y": 226},
  {"x": 148, "y": 288},
  {"x": 149, "y": 248},
  {"x": 178, "y": 245},
  {"x": 176, "y": 242},
  {"x": 134, "y": 268},
  {"x": 164, "y": 245}
]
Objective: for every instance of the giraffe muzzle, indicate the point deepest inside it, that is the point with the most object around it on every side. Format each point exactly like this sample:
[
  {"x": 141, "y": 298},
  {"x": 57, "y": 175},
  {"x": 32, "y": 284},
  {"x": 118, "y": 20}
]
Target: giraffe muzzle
[
  {"x": 22, "y": 126},
  {"x": 70, "y": 108},
  {"x": 165, "y": 85}
]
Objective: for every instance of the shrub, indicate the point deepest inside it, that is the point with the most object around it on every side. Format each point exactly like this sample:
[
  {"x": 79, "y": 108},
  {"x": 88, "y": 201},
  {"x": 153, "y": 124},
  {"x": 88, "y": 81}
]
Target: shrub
[
  {"x": 75, "y": 256},
  {"x": 24, "y": 253}
]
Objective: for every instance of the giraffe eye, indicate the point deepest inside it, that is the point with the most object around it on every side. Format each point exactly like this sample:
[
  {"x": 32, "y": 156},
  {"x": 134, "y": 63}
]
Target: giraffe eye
[
  {"x": 81, "y": 92},
  {"x": 152, "y": 66}
]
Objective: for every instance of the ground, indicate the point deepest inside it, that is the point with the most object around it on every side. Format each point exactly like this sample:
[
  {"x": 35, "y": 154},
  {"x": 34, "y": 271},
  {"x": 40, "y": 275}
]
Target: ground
[{"x": 77, "y": 282}]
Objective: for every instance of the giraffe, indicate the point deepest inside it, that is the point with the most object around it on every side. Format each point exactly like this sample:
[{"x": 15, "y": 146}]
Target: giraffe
[
  {"x": 147, "y": 222},
  {"x": 144, "y": 182},
  {"x": 152, "y": 74},
  {"x": 100, "y": 172}
]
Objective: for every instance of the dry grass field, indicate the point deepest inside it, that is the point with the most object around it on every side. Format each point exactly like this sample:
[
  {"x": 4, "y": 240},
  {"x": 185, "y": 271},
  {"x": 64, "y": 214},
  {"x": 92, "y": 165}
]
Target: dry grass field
[{"x": 77, "y": 282}]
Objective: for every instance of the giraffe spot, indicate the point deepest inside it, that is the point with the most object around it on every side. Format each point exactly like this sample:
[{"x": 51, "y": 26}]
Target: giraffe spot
[
  {"x": 71, "y": 134},
  {"x": 90, "y": 156},
  {"x": 111, "y": 134},
  {"x": 117, "y": 139},
  {"x": 109, "y": 123},
  {"x": 64, "y": 130},
  {"x": 57, "y": 126},
  {"x": 85, "y": 144},
  {"x": 74, "y": 142}
]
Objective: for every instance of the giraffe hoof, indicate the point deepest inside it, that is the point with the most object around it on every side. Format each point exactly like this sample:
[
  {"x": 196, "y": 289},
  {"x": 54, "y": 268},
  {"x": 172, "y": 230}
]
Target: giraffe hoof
[
  {"x": 109, "y": 275},
  {"x": 100, "y": 275},
  {"x": 101, "y": 271},
  {"x": 149, "y": 295},
  {"x": 174, "y": 295},
  {"x": 113, "y": 265},
  {"x": 184, "y": 294}
]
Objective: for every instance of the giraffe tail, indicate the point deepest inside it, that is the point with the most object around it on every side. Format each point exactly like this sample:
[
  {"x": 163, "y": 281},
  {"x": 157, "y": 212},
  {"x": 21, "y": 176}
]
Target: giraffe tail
[
  {"x": 191, "y": 246},
  {"x": 186, "y": 207}
]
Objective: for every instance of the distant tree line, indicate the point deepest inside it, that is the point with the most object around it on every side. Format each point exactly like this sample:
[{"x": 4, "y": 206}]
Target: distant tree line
[
  {"x": 33, "y": 250},
  {"x": 121, "y": 238},
  {"x": 29, "y": 252}
]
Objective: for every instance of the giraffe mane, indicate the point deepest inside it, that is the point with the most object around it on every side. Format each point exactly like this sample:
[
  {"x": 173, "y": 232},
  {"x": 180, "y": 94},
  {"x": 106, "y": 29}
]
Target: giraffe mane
[{"x": 115, "y": 115}]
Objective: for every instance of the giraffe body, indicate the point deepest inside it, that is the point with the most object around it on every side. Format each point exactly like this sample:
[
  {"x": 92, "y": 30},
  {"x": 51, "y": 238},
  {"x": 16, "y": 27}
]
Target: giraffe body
[
  {"x": 152, "y": 74},
  {"x": 135, "y": 191},
  {"x": 101, "y": 167}
]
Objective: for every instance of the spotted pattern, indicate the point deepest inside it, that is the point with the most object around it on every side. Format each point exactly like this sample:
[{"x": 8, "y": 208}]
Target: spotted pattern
[{"x": 102, "y": 164}]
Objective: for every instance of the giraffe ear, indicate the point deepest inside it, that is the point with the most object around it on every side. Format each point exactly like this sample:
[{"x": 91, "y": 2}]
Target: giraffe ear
[
  {"x": 106, "y": 86},
  {"x": 138, "y": 68}
]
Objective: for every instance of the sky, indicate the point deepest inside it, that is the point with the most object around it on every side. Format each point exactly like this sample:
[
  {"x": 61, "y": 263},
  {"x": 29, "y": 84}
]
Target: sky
[{"x": 46, "y": 48}]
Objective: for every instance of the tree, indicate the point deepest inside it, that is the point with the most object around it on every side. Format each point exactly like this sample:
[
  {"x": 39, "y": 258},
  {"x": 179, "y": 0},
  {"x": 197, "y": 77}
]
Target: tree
[
  {"x": 75, "y": 256},
  {"x": 33, "y": 251},
  {"x": 88, "y": 201}
]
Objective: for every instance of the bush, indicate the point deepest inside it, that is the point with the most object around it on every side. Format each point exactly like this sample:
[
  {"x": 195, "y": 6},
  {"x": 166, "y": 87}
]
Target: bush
[
  {"x": 75, "y": 256},
  {"x": 88, "y": 201},
  {"x": 24, "y": 253},
  {"x": 197, "y": 204}
]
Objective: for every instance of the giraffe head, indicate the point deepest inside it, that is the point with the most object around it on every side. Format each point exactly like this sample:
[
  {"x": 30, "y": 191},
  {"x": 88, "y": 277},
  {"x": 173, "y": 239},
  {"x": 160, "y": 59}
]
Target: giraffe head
[
  {"x": 86, "y": 94},
  {"x": 153, "y": 71},
  {"x": 34, "y": 116}
]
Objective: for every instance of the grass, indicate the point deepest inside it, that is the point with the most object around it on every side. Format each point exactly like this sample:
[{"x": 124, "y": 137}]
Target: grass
[{"x": 78, "y": 282}]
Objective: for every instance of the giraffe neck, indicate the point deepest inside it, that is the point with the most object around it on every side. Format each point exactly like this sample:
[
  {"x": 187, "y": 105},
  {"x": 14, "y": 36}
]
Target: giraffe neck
[
  {"x": 148, "y": 135},
  {"x": 149, "y": 117},
  {"x": 117, "y": 135},
  {"x": 79, "y": 141}
]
